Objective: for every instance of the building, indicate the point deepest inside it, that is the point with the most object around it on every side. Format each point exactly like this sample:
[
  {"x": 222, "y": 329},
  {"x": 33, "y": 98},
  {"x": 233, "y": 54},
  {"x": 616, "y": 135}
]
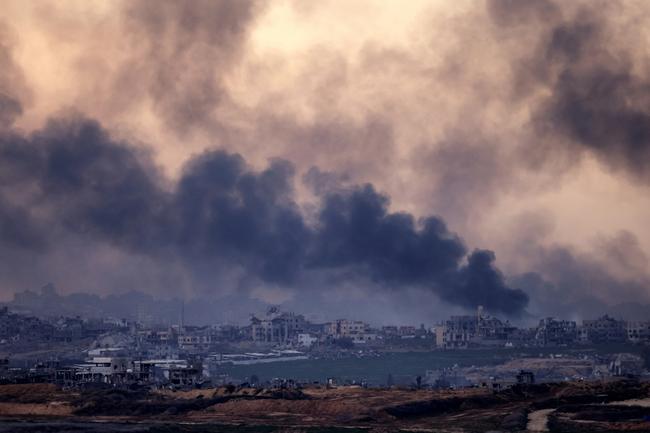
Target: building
[
  {"x": 493, "y": 331},
  {"x": 390, "y": 331},
  {"x": 625, "y": 364},
  {"x": 552, "y": 332},
  {"x": 195, "y": 339},
  {"x": 525, "y": 377},
  {"x": 346, "y": 328},
  {"x": 157, "y": 370},
  {"x": 306, "y": 339},
  {"x": 638, "y": 332},
  {"x": 439, "y": 331},
  {"x": 460, "y": 331},
  {"x": 583, "y": 335},
  {"x": 277, "y": 327},
  {"x": 364, "y": 337},
  {"x": 103, "y": 365},
  {"x": 605, "y": 329},
  {"x": 407, "y": 331}
]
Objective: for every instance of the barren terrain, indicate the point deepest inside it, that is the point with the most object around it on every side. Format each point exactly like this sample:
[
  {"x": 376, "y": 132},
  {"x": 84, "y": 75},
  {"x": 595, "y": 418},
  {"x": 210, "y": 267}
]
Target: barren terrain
[{"x": 566, "y": 407}]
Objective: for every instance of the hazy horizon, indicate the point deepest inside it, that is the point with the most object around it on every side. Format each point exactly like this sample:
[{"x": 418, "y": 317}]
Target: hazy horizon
[{"x": 396, "y": 162}]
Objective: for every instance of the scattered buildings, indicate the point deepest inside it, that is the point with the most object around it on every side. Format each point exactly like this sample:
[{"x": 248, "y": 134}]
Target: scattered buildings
[{"x": 181, "y": 355}]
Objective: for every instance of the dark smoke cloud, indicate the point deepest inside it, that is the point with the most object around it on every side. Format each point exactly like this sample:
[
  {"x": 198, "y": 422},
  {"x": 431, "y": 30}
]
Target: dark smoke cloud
[
  {"x": 598, "y": 96},
  {"x": 75, "y": 181},
  {"x": 481, "y": 283},
  {"x": 224, "y": 210},
  {"x": 573, "y": 283}
]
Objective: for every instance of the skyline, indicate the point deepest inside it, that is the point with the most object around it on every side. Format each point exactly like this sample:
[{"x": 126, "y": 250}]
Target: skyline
[{"x": 412, "y": 159}]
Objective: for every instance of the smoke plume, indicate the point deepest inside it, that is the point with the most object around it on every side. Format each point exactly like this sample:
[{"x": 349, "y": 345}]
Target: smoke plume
[{"x": 76, "y": 181}]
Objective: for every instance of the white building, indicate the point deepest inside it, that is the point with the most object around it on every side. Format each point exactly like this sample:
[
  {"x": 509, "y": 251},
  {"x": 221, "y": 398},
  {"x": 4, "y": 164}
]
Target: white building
[
  {"x": 306, "y": 340},
  {"x": 108, "y": 369}
]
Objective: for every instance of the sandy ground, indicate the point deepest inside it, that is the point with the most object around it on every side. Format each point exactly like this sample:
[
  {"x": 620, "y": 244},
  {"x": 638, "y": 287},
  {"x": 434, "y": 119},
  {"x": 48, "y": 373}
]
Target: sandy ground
[
  {"x": 35, "y": 409},
  {"x": 538, "y": 420},
  {"x": 643, "y": 402},
  {"x": 376, "y": 410}
]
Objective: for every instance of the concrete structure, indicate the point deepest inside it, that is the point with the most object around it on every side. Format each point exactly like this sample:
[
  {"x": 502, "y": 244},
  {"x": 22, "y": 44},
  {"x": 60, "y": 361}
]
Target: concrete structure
[
  {"x": 460, "y": 331},
  {"x": 346, "y": 328},
  {"x": 363, "y": 337},
  {"x": 637, "y": 332},
  {"x": 439, "y": 332},
  {"x": 196, "y": 341},
  {"x": 306, "y": 339},
  {"x": 552, "y": 332},
  {"x": 107, "y": 369},
  {"x": 277, "y": 327},
  {"x": 605, "y": 329}
]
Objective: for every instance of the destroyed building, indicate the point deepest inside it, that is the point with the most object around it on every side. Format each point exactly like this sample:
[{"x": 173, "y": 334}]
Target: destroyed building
[
  {"x": 605, "y": 329},
  {"x": 277, "y": 327},
  {"x": 553, "y": 332}
]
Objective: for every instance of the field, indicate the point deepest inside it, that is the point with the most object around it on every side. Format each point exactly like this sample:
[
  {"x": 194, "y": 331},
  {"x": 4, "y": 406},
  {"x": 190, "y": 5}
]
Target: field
[{"x": 402, "y": 366}]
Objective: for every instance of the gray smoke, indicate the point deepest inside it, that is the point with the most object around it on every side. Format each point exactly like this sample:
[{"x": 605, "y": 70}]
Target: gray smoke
[{"x": 75, "y": 181}]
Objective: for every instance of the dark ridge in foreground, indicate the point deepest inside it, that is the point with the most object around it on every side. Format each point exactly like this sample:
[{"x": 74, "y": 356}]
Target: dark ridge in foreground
[{"x": 569, "y": 406}]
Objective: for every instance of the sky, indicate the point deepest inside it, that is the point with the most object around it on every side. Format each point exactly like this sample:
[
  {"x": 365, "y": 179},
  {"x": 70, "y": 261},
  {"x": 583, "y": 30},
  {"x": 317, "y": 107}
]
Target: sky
[{"x": 400, "y": 160}]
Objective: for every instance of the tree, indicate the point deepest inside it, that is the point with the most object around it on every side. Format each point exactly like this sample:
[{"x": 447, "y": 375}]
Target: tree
[{"x": 254, "y": 380}]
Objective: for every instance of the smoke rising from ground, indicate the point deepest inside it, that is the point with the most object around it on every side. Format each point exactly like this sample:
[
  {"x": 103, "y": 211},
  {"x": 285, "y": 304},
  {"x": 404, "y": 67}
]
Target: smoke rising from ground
[
  {"x": 475, "y": 112},
  {"x": 223, "y": 214},
  {"x": 77, "y": 181}
]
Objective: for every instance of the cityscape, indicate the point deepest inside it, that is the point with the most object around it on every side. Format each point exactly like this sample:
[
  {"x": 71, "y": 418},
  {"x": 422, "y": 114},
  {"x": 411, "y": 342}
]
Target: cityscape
[
  {"x": 73, "y": 351},
  {"x": 282, "y": 357},
  {"x": 339, "y": 216}
]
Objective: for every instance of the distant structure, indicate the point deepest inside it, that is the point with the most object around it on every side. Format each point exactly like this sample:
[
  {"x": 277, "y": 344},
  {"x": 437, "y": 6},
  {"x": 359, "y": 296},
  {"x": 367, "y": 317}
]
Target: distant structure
[
  {"x": 552, "y": 332},
  {"x": 605, "y": 329},
  {"x": 277, "y": 327},
  {"x": 525, "y": 377},
  {"x": 637, "y": 331}
]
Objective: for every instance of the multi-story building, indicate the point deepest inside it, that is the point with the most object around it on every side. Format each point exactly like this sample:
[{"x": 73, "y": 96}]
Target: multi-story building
[
  {"x": 637, "y": 331},
  {"x": 364, "y": 337},
  {"x": 158, "y": 336},
  {"x": 605, "y": 329},
  {"x": 582, "y": 335},
  {"x": 552, "y": 332},
  {"x": 439, "y": 332},
  {"x": 346, "y": 328},
  {"x": 194, "y": 341},
  {"x": 20, "y": 328},
  {"x": 277, "y": 327},
  {"x": 460, "y": 331},
  {"x": 109, "y": 365},
  {"x": 390, "y": 331},
  {"x": 491, "y": 330}
]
